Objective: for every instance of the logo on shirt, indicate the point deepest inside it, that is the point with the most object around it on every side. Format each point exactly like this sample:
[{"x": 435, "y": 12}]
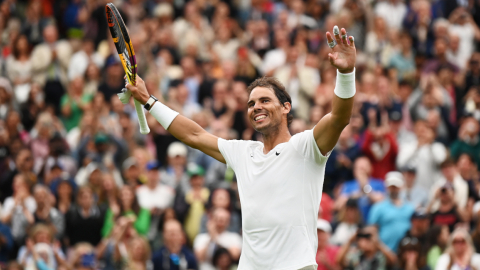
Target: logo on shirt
[{"x": 277, "y": 153}]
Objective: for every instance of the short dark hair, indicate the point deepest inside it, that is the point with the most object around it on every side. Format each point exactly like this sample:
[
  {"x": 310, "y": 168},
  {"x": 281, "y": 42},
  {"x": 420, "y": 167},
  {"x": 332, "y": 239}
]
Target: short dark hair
[{"x": 279, "y": 90}]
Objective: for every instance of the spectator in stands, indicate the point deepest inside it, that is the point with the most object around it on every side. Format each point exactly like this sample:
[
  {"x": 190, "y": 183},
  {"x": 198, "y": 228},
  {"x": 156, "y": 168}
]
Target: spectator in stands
[
  {"x": 468, "y": 141},
  {"x": 222, "y": 260},
  {"x": 340, "y": 164},
  {"x": 196, "y": 199},
  {"x": 460, "y": 252},
  {"x": 221, "y": 198},
  {"x": 420, "y": 223},
  {"x": 18, "y": 210},
  {"x": 436, "y": 244},
  {"x": 23, "y": 165},
  {"x": 50, "y": 61},
  {"x": 424, "y": 153},
  {"x": 19, "y": 68},
  {"x": 366, "y": 189},
  {"x": 350, "y": 221},
  {"x": 454, "y": 179},
  {"x": 84, "y": 220},
  {"x": 74, "y": 103},
  {"x": 392, "y": 215},
  {"x": 46, "y": 213},
  {"x": 64, "y": 196},
  {"x": 174, "y": 253},
  {"x": 411, "y": 193},
  {"x": 326, "y": 253},
  {"x": 217, "y": 236},
  {"x": 127, "y": 206},
  {"x": 174, "y": 173},
  {"x": 410, "y": 255},
  {"x": 154, "y": 197},
  {"x": 468, "y": 171},
  {"x": 370, "y": 254},
  {"x": 448, "y": 213}
]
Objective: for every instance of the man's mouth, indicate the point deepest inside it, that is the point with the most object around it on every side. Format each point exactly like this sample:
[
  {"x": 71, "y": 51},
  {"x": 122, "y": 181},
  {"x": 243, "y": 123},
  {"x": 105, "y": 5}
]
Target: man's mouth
[{"x": 260, "y": 117}]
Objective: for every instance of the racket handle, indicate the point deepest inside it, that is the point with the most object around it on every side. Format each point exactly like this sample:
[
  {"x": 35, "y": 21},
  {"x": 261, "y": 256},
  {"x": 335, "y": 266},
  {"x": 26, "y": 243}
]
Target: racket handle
[{"x": 144, "y": 129}]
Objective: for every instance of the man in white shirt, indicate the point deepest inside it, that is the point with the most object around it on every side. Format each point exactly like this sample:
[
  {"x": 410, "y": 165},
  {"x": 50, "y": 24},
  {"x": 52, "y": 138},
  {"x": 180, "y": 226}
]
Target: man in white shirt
[
  {"x": 280, "y": 180},
  {"x": 205, "y": 244}
]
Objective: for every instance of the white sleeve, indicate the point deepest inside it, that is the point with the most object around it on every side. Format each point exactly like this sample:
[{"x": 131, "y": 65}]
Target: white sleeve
[
  {"x": 305, "y": 143},
  {"x": 232, "y": 150},
  {"x": 439, "y": 152},
  {"x": 8, "y": 206}
]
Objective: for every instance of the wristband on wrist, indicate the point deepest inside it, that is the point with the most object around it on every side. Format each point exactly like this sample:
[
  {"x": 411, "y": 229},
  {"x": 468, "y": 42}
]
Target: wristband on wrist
[
  {"x": 345, "y": 85},
  {"x": 163, "y": 114}
]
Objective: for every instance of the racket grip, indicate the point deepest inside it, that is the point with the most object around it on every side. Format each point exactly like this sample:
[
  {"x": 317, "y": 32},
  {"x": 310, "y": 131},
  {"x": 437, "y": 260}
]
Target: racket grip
[{"x": 144, "y": 129}]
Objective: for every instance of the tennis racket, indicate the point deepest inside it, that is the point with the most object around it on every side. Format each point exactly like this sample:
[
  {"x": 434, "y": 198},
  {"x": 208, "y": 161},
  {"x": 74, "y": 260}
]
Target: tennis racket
[{"x": 124, "y": 47}]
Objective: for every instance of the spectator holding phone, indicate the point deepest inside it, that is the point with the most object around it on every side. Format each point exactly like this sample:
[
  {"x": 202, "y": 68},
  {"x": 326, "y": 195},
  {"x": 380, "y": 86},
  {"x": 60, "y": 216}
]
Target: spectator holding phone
[
  {"x": 369, "y": 252},
  {"x": 448, "y": 212}
]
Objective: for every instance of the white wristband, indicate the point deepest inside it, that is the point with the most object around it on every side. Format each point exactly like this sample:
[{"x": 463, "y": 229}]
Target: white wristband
[
  {"x": 163, "y": 114},
  {"x": 345, "y": 85}
]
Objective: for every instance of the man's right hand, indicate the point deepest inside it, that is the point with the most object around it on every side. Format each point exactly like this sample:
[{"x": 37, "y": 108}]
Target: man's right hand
[{"x": 139, "y": 91}]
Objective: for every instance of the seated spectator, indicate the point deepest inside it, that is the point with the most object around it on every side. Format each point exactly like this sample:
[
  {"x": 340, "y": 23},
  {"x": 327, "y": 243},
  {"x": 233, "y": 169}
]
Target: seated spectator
[
  {"x": 436, "y": 243},
  {"x": 424, "y": 153},
  {"x": 468, "y": 171},
  {"x": 392, "y": 215},
  {"x": 131, "y": 173},
  {"x": 174, "y": 251},
  {"x": 24, "y": 165},
  {"x": 84, "y": 220},
  {"x": 448, "y": 213},
  {"x": 64, "y": 196},
  {"x": 451, "y": 177},
  {"x": 46, "y": 213},
  {"x": 196, "y": 199},
  {"x": 74, "y": 103},
  {"x": 411, "y": 193},
  {"x": 369, "y": 253},
  {"x": 468, "y": 140},
  {"x": 138, "y": 254},
  {"x": 419, "y": 228},
  {"x": 6, "y": 243},
  {"x": 410, "y": 255},
  {"x": 41, "y": 235},
  {"x": 460, "y": 253},
  {"x": 326, "y": 253},
  {"x": 350, "y": 220},
  {"x": 18, "y": 210},
  {"x": 127, "y": 206},
  {"x": 217, "y": 236},
  {"x": 221, "y": 198},
  {"x": 366, "y": 189}
]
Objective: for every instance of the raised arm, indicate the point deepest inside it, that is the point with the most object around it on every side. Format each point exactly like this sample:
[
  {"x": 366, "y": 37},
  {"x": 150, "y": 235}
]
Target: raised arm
[
  {"x": 181, "y": 127},
  {"x": 342, "y": 57}
]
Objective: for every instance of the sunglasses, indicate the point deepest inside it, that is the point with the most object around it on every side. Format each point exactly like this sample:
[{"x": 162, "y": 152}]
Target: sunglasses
[
  {"x": 409, "y": 241},
  {"x": 459, "y": 241}
]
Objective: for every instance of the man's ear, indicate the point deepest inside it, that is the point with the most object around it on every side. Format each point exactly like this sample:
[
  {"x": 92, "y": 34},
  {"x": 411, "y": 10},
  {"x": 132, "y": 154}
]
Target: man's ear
[{"x": 287, "y": 107}]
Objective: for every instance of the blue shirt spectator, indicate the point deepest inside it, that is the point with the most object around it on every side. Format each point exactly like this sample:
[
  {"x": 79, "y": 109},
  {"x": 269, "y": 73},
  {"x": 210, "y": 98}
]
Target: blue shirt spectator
[
  {"x": 351, "y": 188},
  {"x": 392, "y": 215}
]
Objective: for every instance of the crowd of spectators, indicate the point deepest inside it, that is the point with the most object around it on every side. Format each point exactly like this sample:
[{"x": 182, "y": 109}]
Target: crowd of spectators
[{"x": 81, "y": 188}]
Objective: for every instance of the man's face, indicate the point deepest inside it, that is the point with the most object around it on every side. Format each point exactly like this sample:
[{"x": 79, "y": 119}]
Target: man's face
[
  {"x": 221, "y": 218},
  {"x": 85, "y": 199},
  {"x": 173, "y": 234},
  {"x": 449, "y": 172},
  {"x": 265, "y": 112},
  {"x": 153, "y": 176},
  {"x": 393, "y": 192},
  {"x": 421, "y": 224},
  {"x": 409, "y": 177},
  {"x": 41, "y": 197}
]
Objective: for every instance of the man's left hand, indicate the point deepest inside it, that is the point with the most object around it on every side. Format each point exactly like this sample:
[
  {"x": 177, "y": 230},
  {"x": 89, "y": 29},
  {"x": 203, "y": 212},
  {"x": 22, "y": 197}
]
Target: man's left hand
[{"x": 343, "y": 55}]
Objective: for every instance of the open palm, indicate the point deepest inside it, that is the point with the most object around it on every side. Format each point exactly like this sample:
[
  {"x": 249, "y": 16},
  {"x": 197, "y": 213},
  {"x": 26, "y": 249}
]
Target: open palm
[{"x": 343, "y": 55}]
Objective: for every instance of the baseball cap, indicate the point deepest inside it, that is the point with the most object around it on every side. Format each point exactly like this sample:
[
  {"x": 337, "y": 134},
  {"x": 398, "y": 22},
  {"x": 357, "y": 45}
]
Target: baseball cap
[
  {"x": 420, "y": 214},
  {"x": 194, "y": 169},
  {"x": 163, "y": 9},
  {"x": 324, "y": 225},
  {"x": 394, "y": 179},
  {"x": 177, "y": 149},
  {"x": 153, "y": 165},
  {"x": 129, "y": 162}
]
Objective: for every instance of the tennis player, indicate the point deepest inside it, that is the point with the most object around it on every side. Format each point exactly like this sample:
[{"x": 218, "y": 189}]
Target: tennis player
[{"x": 280, "y": 180}]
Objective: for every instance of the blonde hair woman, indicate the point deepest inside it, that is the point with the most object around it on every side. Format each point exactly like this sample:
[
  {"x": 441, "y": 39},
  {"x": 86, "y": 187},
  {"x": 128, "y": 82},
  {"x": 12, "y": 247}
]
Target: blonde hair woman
[{"x": 460, "y": 253}]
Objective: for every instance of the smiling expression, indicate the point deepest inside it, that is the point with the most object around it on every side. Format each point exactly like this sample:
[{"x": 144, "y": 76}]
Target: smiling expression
[{"x": 265, "y": 112}]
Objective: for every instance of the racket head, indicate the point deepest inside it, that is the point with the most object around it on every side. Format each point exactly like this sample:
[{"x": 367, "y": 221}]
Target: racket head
[{"x": 122, "y": 42}]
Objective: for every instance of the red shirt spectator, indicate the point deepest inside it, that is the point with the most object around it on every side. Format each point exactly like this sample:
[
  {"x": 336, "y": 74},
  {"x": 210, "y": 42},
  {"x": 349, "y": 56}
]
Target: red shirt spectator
[{"x": 380, "y": 146}]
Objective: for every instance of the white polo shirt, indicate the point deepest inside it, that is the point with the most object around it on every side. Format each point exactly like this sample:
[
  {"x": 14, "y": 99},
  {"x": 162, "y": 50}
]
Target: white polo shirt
[{"x": 280, "y": 194}]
